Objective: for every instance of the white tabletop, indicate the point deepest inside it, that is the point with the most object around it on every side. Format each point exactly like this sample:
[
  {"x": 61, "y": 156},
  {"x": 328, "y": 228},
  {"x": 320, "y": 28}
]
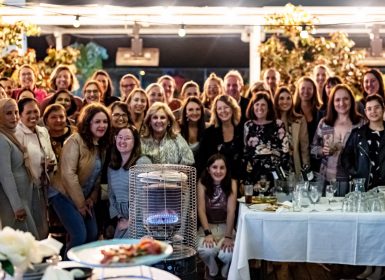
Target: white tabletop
[
  {"x": 318, "y": 237},
  {"x": 147, "y": 271}
]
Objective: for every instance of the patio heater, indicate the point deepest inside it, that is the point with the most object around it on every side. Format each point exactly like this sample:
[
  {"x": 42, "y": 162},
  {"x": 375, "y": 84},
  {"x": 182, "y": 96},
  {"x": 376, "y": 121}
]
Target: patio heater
[{"x": 163, "y": 206}]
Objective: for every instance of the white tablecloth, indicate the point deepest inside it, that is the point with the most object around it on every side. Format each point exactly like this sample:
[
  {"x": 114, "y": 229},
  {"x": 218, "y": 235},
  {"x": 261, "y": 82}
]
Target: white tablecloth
[
  {"x": 318, "y": 237},
  {"x": 98, "y": 273}
]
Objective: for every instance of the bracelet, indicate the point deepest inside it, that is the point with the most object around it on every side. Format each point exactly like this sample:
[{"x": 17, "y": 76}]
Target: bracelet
[
  {"x": 229, "y": 237},
  {"x": 207, "y": 232}
]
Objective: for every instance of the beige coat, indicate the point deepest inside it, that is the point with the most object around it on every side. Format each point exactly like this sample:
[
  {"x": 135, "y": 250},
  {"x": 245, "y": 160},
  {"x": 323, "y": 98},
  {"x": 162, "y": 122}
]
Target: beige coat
[
  {"x": 76, "y": 165},
  {"x": 300, "y": 142}
]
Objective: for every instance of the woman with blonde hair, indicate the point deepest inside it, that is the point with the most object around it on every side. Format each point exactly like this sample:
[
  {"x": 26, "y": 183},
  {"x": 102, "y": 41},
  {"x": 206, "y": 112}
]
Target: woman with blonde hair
[
  {"x": 212, "y": 88},
  {"x": 225, "y": 134},
  {"x": 161, "y": 140},
  {"x": 155, "y": 93},
  {"x": 137, "y": 103},
  {"x": 63, "y": 78},
  {"x": 189, "y": 88}
]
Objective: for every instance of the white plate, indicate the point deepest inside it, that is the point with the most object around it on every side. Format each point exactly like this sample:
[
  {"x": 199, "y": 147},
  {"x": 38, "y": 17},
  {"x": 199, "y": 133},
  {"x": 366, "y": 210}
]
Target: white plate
[
  {"x": 90, "y": 254},
  {"x": 259, "y": 207}
]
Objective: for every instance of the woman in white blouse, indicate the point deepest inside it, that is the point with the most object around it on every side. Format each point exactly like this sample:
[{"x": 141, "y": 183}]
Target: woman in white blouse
[{"x": 41, "y": 157}]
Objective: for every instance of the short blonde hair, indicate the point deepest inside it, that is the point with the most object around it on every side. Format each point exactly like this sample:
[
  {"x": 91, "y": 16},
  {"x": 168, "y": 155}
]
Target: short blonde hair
[
  {"x": 172, "y": 128},
  {"x": 229, "y": 101},
  {"x": 234, "y": 73}
]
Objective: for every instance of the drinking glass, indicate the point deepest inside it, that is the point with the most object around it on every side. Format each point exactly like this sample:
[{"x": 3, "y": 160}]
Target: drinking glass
[
  {"x": 330, "y": 191},
  {"x": 314, "y": 195}
]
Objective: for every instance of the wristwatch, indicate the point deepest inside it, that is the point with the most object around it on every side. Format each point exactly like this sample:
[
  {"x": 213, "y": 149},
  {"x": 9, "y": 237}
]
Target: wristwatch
[{"x": 207, "y": 232}]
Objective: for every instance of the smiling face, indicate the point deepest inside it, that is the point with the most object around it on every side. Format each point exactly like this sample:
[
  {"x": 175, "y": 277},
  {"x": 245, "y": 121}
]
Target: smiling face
[
  {"x": 193, "y": 112},
  {"x": 371, "y": 84},
  {"x": 64, "y": 99},
  {"x": 30, "y": 115},
  {"x": 125, "y": 141},
  {"x": 306, "y": 91},
  {"x": 126, "y": 86},
  {"x": 271, "y": 79},
  {"x": 27, "y": 78},
  {"x": 11, "y": 114},
  {"x": 159, "y": 122},
  {"x": 233, "y": 87},
  {"x": 285, "y": 101},
  {"x": 169, "y": 88},
  {"x": 99, "y": 125},
  {"x": 213, "y": 89},
  {"x": 138, "y": 103},
  {"x": 119, "y": 118},
  {"x": 91, "y": 94},
  {"x": 342, "y": 102},
  {"x": 191, "y": 91},
  {"x": 56, "y": 121},
  {"x": 8, "y": 87},
  {"x": 224, "y": 111},
  {"x": 217, "y": 171},
  {"x": 374, "y": 111},
  {"x": 103, "y": 80},
  {"x": 63, "y": 80},
  {"x": 156, "y": 94},
  {"x": 260, "y": 109},
  {"x": 321, "y": 76}
]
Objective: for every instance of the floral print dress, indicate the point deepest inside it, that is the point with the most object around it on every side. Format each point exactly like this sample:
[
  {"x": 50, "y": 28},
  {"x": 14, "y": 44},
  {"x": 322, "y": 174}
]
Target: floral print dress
[{"x": 266, "y": 148}]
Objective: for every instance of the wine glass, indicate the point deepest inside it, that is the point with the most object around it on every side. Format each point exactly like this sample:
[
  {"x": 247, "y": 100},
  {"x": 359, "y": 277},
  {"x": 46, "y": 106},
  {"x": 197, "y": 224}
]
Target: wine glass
[
  {"x": 314, "y": 195},
  {"x": 330, "y": 191}
]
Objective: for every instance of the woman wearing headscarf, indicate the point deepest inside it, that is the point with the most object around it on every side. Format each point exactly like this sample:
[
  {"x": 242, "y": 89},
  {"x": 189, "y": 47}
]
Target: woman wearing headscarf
[{"x": 15, "y": 183}]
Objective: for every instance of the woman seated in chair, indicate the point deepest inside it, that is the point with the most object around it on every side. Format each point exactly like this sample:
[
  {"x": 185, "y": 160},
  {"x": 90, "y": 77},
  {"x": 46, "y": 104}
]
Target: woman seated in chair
[{"x": 217, "y": 194}]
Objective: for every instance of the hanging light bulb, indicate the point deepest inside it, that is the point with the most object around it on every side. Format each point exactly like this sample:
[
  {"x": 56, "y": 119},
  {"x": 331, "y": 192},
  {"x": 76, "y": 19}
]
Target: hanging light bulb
[
  {"x": 304, "y": 34},
  {"x": 76, "y": 23},
  {"x": 182, "y": 31}
]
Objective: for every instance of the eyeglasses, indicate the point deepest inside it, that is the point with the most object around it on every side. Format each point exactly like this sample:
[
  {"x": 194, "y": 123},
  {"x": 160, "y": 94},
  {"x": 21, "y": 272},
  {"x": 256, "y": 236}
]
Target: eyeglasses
[
  {"x": 94, "y": 91},
  {"x": 117, "y": 116},
  {"x": 127, "y": 85}
]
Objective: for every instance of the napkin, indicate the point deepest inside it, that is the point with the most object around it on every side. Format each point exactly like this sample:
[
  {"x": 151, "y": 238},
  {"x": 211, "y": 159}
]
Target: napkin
[
  {"x": 49, "y": 246},
  {"x": 285, "y": 206},
  {"x": 54, "y": 273}
]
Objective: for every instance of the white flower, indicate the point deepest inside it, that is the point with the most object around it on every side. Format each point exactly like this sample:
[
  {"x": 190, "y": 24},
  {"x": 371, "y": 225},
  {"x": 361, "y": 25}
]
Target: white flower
[{"x": 22, "y": 249}]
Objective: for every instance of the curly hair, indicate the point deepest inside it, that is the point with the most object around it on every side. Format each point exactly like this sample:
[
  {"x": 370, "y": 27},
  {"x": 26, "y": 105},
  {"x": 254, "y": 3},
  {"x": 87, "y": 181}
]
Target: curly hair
[
  {"x": 116, "y": 158},
  {"x": 172, "y": 128},
  {"x": 84, "y": 125},
  {"x": 208, "y": 181},
  {"x": 229, "y": 101}
]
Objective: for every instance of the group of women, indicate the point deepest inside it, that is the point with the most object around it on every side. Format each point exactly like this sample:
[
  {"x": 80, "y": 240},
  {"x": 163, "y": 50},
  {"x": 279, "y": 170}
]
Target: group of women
[{"x": 57, "y": 146}]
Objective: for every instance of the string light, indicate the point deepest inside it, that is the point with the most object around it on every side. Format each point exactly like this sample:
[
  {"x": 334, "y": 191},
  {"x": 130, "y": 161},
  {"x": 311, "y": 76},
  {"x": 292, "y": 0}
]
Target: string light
[
  {"x": 76, "y": 23},
  {"x": 182, "y": 31}
]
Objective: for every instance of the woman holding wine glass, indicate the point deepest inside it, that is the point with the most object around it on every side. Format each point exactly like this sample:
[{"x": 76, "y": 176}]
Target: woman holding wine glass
[{"x": 332, "y": 133}]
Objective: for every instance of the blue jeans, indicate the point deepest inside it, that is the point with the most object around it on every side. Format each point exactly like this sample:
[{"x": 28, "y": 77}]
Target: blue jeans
[{"x": 80, "y": 229}]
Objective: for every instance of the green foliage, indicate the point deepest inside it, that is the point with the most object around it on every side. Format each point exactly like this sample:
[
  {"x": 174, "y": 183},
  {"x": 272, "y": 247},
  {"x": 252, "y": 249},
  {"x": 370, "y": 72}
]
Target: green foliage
[
  {"x": 294, "y": 56},
  {"x": 7, "y": 266}
]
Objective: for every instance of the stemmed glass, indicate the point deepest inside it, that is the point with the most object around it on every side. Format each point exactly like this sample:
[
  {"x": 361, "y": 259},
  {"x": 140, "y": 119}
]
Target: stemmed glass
[
  {"x": 330, "y": 191},
  {"x": 314, "y": 195}
]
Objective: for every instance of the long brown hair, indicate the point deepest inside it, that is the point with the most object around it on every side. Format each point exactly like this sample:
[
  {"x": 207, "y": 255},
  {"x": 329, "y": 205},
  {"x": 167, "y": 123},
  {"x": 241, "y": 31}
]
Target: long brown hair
[
  {"x": 291, "y": 114},
  {"x": 315, "y": 101},
  {"x": 331, "y": 113}
]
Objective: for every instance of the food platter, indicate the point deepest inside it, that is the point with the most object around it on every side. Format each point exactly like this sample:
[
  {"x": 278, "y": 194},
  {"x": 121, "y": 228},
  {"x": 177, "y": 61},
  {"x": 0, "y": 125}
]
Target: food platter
[
  {"x": 260, "y": 200},
  {"x": 90, "y": 254}
]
